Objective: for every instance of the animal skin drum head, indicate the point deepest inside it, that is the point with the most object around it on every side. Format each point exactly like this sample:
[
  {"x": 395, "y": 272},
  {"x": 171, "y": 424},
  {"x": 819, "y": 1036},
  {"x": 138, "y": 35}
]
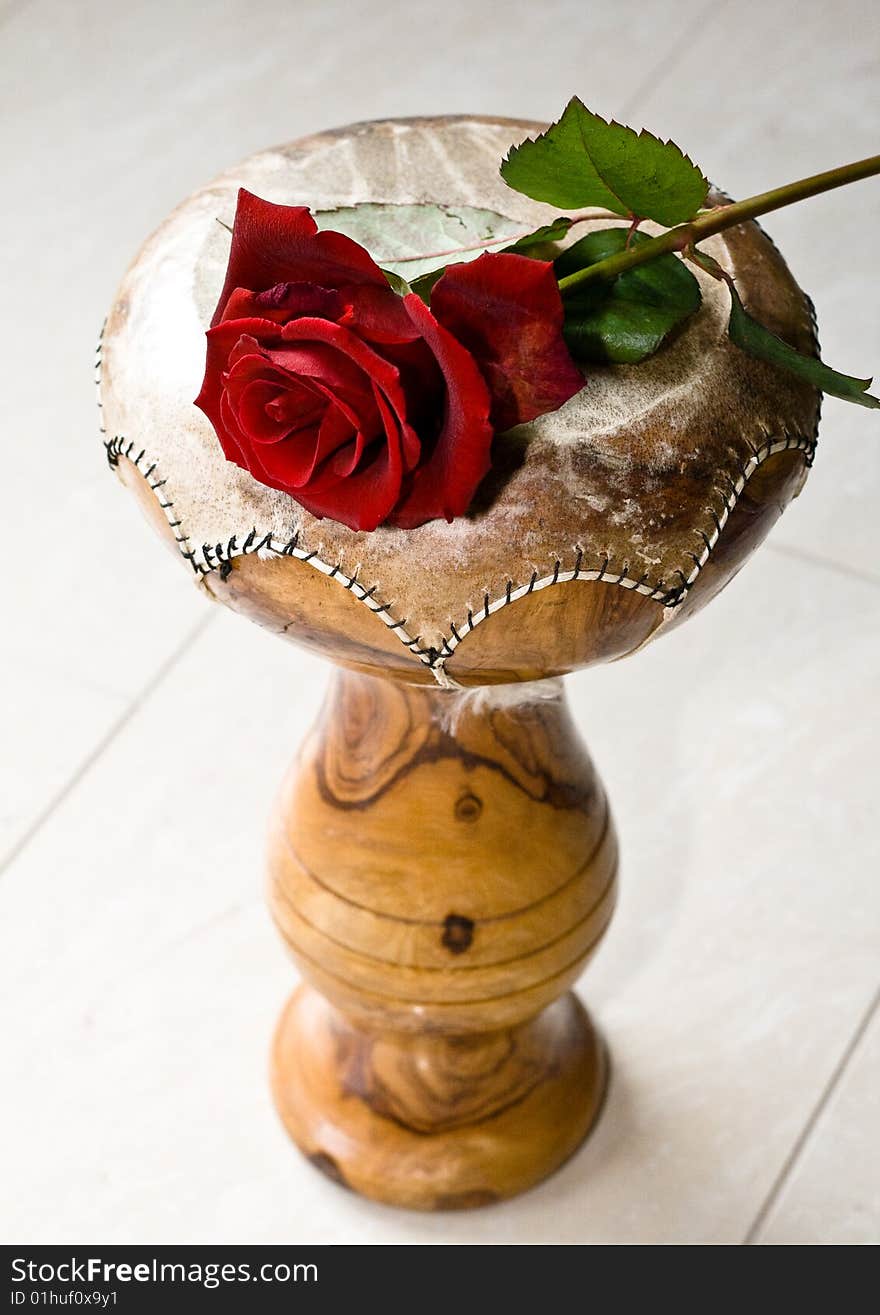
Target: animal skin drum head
[{"x": 632, "y": 482}]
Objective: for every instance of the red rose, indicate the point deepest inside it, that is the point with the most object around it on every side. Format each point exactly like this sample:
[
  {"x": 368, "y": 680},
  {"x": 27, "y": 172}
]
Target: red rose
[{"x": 362, "y": 405}]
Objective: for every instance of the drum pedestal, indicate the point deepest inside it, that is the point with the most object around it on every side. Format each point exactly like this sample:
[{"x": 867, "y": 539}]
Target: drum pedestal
[{"x": 442, "y": 864}]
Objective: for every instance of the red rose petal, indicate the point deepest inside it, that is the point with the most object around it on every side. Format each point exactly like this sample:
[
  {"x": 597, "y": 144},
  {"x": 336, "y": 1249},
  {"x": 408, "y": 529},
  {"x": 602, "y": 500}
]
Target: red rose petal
[
  {"x": 294, "y": 462},
  {"x": 285, "y": 301},
  {"x": 445, "y": 484},
  {"x": 346, "y": 460},
  {"x": 360, "y": 490},
  {"x": 220, "y": 343},
  {"x": 269, "y": 410},
  {"x": 356, "y": 410},
  {"x": 340, "y": 437},
  {"x": 379, "y": 315},
  {"x": 274, "y": 244},
  {"x": 410, "y": 443},
  {"x": 361, "y": 501},
  {"x": 222, "y": 340},
  {"x": 235, "y": 445},
  {"x": 507, "y": 311},
  {"x": 303, "y": 338},
  {"x": 292, "y": 299},
  {"x": 317, "y": 359}
]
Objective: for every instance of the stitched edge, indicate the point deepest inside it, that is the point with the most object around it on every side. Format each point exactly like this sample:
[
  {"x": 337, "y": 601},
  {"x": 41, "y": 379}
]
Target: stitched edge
[
  {"x": 730, "y": 499},
  {"x": 669, "y": 598},
  {"x": 219, "y": 557}
]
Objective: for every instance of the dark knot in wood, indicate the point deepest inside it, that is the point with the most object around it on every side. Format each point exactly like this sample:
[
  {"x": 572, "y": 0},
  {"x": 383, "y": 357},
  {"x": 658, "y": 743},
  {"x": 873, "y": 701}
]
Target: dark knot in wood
[
  {"x": 468, "y": 808},
  {"x": 458, "y": 932}
]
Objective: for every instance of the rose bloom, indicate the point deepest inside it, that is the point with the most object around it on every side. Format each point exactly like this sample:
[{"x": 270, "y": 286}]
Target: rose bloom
[{"x": 365, "y": 406}]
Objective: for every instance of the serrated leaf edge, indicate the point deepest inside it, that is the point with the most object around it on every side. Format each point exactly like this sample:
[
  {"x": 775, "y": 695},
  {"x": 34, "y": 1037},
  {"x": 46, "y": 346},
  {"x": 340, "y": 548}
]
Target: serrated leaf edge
[{"x": 609, "y": 123}]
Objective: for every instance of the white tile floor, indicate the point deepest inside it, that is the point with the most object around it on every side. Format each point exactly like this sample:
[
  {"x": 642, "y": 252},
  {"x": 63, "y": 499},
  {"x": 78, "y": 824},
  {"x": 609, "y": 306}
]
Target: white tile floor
[{"x": 139, "y": 974}]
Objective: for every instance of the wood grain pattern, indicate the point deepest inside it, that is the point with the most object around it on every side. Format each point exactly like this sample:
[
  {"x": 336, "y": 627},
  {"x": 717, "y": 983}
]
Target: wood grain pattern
[
  {"x": 374, "y": 1114},
  {"x": 442, "y": 865},
  {"x": 572, "y": 624},
  {"x": 301, "y": 605}
]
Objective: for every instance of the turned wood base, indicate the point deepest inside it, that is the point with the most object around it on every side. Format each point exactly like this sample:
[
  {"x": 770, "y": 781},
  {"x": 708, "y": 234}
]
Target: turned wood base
[
  {"x": 442, "y": 864},
  {"x": 437, "y": 1123}
]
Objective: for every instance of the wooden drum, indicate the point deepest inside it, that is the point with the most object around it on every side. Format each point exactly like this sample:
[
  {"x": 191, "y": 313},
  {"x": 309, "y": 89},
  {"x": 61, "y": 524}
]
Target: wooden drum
[{"x": 442, "y": 859}]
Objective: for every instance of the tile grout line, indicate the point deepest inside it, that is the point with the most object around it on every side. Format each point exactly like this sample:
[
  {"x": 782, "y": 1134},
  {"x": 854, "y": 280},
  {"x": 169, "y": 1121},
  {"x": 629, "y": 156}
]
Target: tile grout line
[
  {"x": 667, "y": 62},
  {"x": 813, "y": 1118},
  {"x": 816, "y": 559},
  {"x": 104, "y": 742}
]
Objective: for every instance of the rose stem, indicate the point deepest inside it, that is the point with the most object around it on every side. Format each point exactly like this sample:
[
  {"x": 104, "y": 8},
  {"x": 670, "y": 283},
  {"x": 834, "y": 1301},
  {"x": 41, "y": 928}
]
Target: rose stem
[{"x": 718, "y": 219}]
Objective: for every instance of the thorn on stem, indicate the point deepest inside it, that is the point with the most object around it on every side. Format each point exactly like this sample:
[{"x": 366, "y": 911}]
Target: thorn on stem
[
  {"x": 635, "y": 220},
  {"x": 707, "y": 263}
]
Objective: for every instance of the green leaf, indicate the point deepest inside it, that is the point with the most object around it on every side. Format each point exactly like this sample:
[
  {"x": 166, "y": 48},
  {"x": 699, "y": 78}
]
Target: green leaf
[
  {"x": 424, "y": 285},
  {"x": 524, "y": 246},
  {"x": 400, "y": 285},
  {"x": 757, "y": 341},
  {"x": 412, "y": 240},
  {"x": 584, "y": 161},
  {"x": 628, "y": 319}
]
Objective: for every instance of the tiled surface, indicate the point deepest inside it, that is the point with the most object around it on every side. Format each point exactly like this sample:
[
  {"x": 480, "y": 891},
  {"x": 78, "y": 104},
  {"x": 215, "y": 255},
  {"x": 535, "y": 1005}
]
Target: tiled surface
[
  {"x": 834, "y": 1197},
  {"x": 139, "y": 975},
  {"x": 46, "y": 738},
  {"x": 785, "y": 90}
]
